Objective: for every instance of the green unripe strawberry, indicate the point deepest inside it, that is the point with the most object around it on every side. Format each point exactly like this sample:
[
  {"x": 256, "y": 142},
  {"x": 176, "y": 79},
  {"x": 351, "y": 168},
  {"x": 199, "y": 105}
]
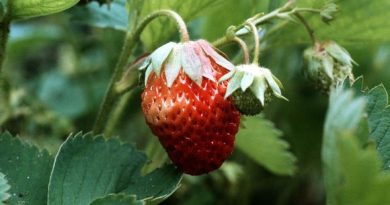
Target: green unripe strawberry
[
  {"x": 251, "y": 87},
  {"x": 247, "y": 103},
  {"x": 328, "y": 64}
]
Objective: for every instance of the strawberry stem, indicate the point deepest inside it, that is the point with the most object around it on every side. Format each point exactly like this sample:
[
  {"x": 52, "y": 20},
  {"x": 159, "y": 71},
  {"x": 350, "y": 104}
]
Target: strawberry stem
[
  {"x": 286, "y": 10},
  {"x": 244, "y": 48},
  {"x": 309, "y": 30},
  {"x": 181, "y": 25},
  {"x": 256, "y": 53}
]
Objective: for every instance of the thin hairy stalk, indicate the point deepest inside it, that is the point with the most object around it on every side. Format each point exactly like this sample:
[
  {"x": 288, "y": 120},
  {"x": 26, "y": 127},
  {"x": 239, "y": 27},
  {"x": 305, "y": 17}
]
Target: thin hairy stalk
[
  {"x": 244, "y": 48},
  {"x": 256, "y": 38}
]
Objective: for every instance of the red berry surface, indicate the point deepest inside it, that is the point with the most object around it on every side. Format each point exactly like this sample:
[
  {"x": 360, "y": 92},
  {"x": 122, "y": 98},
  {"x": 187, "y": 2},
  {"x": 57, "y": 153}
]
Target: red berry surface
[{"x": 195, "y": 124}]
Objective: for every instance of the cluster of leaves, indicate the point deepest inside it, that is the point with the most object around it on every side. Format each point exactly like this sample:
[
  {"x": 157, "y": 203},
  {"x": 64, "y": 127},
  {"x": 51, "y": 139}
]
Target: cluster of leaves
[
  {"x": 355, "y": 146},
  {"x": 86, "y": 170}
]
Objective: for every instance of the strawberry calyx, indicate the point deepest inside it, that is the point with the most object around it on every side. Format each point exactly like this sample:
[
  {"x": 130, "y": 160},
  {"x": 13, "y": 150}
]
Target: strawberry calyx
[
  {"x": 328, "y": 64},
  {"x": 259, "y": 80},
  {"x": 195, "y": 58}
]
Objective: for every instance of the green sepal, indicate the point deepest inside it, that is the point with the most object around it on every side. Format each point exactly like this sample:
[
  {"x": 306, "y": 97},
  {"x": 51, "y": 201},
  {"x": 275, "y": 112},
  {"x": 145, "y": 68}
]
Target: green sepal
[
  {"x": 227, "y": 76},
  {"x": 191, "y": 64},
  {"x": 234, "y": 83},
  {"x": 196, "y": 58},
  {"x": 328, "y": 64},
  {"x": 148, "y": 71},
  {"x": 247, "y": 81},
  {"x": 339, "y": 53},
  {"x": 159, "y": 56},
  {"x": 172, "y": 68},
  {"x": 210, "y": 51},
  {"x": 258, "y": 88},
  {"x": 258, "y": 79}
]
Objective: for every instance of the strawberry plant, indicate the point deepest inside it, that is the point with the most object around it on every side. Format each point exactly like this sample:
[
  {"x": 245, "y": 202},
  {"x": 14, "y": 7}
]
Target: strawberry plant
[{"x": 194, "y": 102}]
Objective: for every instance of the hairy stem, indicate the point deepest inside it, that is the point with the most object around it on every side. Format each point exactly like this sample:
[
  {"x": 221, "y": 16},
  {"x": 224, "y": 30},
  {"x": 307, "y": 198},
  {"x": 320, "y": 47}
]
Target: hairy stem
[
  {"x": 112, "y": 95},
  {"x": 309, "y": 30},
  {"x": 260, "y": 18},
  {"x": 244, "y": 48},
  {"x": 256, "y": 38}
]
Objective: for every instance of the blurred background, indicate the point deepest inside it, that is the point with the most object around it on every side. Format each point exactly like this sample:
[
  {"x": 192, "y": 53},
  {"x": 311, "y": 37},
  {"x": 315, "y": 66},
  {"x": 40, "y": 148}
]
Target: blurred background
[{"x": 58, "y": 67}]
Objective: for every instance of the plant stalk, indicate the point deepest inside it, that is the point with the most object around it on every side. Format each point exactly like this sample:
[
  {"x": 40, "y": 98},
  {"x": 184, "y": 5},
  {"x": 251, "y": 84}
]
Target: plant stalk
[
  {"x": 244, "y": 48},
  {"x": 309, "y": 30},
  {"x": 260, "y": 19},
  {"x": 4, "y": 33},
  {"x": 256, "y": 38}
]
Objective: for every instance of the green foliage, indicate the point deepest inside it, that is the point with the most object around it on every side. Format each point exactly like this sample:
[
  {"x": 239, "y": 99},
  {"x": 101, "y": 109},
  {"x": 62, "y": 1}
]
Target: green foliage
[
  {"x": 24, "y": 9},
  {"x": 344, "y": 116},
  {"x": 214, "y": 24},
  {"x": 260, "y": 140},
  {"x": 352, "y": 169},
  {"x": 85, "y": 169},
  {"x": 378, "y": 112},
  {"x": 94, "y": 167},
  {"x": 162, "y": 29},
  {"x": 117, "y": 199},
  {"x": 362, "y": 179},
  {"x": 366, "y": 20},
  {"x": 102, "y": 16},
  {"x": 27, "y": 170},
  {"x": 4, "y": 187},
  {"x": 51, "y": 91}
]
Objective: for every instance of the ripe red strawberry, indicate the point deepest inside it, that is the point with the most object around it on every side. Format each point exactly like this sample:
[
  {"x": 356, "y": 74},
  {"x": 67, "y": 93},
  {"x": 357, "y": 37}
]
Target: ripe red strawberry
[{"x": 187, "y": 111}]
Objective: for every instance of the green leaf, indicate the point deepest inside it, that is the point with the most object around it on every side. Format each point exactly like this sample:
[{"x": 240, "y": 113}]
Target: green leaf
[
  {"x": 24, "y": 9},
  {"x": 63, "y": 94},
  {"x": 156, "y": 186},
  {"x": 260, "y": 140},
  {"x": 344, "y": 115},
  {"x": 4, "y": 187},
  {"x": 112, "y": 167},
  {"x": 117, "y": 199},
  {"x": 27, "y": 170},
  {"x": 352, "y": 168},
  {"x": 362, "y": 182},
  {"x": 112, "y": 16},
  {"x": 378, "y": 112},
  {"x": 372, "y": 26},
  {"x": 161, "y": 30}
]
